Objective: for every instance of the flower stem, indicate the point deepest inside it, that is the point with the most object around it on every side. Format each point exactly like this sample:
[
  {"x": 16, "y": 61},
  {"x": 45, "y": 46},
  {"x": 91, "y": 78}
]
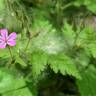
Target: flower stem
[
  {"x": 10, "y": 52},
  {"x": 66, "y": 6},
  {"x": 10, "y": 61},
  {"x": 27, "y": 44},
  {"x": 34, "y": 35}
]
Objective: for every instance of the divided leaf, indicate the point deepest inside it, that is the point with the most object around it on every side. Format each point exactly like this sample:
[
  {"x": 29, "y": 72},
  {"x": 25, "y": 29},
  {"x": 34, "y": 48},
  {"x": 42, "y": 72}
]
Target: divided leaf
[
  {"x": 63, "y": 64},
  {"x": 38, "y": 61},
  {"x": 87, "y": 86},
  {"x": 69, "y": 33},
  {"x": 48, "y": 40}
]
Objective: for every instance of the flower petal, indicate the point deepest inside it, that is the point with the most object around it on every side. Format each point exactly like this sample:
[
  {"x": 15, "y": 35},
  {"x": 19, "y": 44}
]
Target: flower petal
[
  {"x": 2, "y": 45},
  {"x": 4, "y": 33},
  {"x": 1, "y": 39},
  {"x": 11, "y": 42},
  {"x": 12, "y": 36}
]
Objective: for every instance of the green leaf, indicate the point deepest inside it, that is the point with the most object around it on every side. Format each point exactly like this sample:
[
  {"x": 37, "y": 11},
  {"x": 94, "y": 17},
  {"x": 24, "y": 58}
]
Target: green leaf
[
  {"x": 78, "y": 2},
  {"x": 90, "y": 4},
  {"x": 20, "y": 92},
  {"x": 63, "y": 64},
  {"x": 87, "y": 85},
  {"x": 20, "y": 61},
  {"x": 8, "y": 82},
  {"x": 2, "y": 9},
  {"x": 4, "y": 53},
  {"x": 86, "y": 36},
  {"x": 9, "y": 22},
  {"x": 82, "y": 58},
  {"x": 2, "y": 4},
  {"x": 68, "y": 33},
  {"x": 38, "y": 61},
  {"x": 92, "y": 48},
  {"x": 49, "y": 39}
]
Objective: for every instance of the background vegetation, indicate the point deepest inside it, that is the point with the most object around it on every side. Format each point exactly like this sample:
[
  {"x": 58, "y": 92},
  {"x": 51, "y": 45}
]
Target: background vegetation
[{"x": 55, "y": 53}]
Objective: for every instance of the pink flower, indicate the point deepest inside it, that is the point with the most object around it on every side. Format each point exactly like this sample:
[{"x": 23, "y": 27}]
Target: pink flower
[{"x": 5, "y": 39}]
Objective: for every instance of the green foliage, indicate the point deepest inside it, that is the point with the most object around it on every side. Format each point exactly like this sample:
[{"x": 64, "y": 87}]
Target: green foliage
[
  {"x": 69, "y": 34},
  {"x": 48, "y": 39},
  {"x": 20, "y": 92},
  {"x": 20, "y": 61},
  {"x": 63, "y": 64},
  {"x": 90, "y": 4},
  {"x": 55, "y": 52},
  {"x": 9, "y": 82},
  {"x": 38, "y": 61},
  {"x": 2, "y": 8},
  {"x": 87, "y": 84}
]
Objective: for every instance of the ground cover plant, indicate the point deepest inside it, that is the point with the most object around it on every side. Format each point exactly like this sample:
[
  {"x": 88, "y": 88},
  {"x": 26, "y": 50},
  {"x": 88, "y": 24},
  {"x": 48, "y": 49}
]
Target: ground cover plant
[{"x": 47, "y": 48}]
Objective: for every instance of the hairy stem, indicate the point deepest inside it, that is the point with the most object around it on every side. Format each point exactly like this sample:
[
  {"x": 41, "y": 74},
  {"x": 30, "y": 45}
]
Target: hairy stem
[
  {"x": 27, "y": 44},
  {"x": 34, "y": 35},
  {"x": 10, "y": 61},
  {"x": 66, "y": 6},
  {"x": 10, "y": 52}
]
